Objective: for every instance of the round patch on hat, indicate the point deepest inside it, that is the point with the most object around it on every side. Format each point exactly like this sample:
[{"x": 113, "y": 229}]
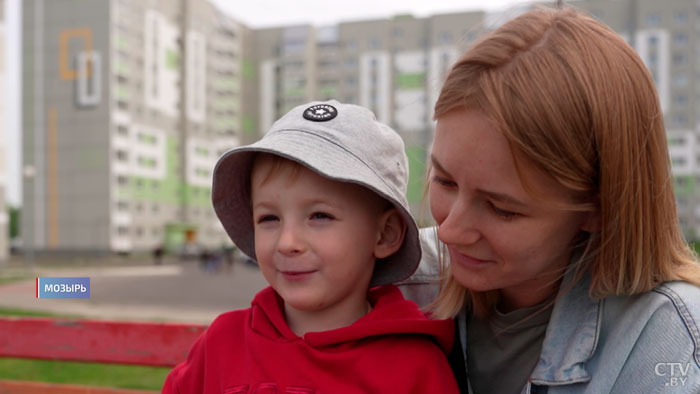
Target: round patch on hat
[{"x": 320, "y": 113}]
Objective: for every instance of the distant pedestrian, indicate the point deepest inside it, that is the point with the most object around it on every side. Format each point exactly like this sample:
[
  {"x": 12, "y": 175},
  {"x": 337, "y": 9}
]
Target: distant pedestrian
[
  {"x": 158, "y": 255},
  {"x": 228, "y": 253}
]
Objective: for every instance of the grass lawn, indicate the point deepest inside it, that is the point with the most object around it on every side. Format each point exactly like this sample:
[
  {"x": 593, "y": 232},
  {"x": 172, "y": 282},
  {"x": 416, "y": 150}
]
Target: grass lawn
[
  {"x": 10, "y": 279},
  {"x": 90, "y": 374}
]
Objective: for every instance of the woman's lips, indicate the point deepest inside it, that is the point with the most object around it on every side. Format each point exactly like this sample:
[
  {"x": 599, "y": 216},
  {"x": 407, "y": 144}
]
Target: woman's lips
[{"x": 466, "y": 260}]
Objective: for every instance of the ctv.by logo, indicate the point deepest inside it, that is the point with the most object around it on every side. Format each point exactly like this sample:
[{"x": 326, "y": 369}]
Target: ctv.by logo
[{"x": 677, "y": 373}]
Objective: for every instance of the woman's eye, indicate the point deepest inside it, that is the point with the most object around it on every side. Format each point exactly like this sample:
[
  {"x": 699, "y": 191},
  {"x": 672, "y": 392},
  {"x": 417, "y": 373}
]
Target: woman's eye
[
  {"x": 266, "y": 218},
  {"x": 321, "y": 216},
  {"x": 442, "y": 181},
  {"x": 502, "y": 212}
]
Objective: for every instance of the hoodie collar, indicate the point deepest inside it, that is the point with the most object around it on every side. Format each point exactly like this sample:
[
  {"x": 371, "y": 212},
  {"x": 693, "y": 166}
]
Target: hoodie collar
[{"x": 391, "y": 314}]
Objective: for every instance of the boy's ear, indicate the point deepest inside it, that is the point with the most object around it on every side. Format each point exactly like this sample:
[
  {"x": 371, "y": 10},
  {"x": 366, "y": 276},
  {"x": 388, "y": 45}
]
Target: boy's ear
[{"x": 391, "y": 233}]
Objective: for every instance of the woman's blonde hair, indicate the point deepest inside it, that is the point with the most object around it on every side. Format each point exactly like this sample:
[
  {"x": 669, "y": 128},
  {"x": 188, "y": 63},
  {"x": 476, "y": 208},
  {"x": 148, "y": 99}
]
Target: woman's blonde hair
[{"x": 573, "y": 97}]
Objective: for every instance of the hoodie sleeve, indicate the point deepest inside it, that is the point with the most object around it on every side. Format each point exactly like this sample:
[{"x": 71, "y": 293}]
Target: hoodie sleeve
[{"x": 188, "y": 376}]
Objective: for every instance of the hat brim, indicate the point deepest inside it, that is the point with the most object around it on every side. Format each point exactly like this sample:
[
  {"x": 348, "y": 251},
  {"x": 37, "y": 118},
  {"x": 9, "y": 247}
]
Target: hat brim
[{"x": 231, "y": 193}]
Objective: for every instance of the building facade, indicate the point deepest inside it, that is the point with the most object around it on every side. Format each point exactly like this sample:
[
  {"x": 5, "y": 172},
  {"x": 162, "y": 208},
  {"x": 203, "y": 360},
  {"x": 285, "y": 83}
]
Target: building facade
[
  {"x": 667, "y": 37},
  {"x": 127, "y": 106},
  {"x": 394, "y": 67},
  {"x": 4, "y": 215}
]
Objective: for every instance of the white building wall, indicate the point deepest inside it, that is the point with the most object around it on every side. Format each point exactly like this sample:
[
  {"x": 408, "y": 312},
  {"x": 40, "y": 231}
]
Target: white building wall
[
  {"x": 196, "y": 76},
  {"x": 439, "y": 63},
  {"x": 4, "y": 219},
  {"x": 160, "y": 52},
  {"x": 376, "y": 63},
  {"x": 653, "y": 46},
  {"x": 410, "y": 113},
  {"x": 268, "y": 86}
]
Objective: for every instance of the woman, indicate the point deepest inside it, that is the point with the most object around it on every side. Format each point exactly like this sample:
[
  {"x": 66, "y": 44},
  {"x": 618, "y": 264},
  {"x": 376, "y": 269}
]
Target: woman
[{"x": 552, "y": 191}]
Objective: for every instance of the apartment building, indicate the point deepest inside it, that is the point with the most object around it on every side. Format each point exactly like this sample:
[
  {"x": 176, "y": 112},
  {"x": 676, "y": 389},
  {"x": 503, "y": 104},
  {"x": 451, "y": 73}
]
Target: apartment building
[
  {"x": 127, "y": 105},
  {"x": 667, "y": 37},
  {"x": 396, "y": 66},
  {"x": 393, "y": 66}
]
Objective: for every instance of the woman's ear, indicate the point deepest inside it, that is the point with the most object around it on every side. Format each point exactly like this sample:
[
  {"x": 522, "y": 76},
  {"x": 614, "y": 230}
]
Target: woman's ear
[
  {"x": 392, "y": 230},
  {"x": 591, "y": 222}
]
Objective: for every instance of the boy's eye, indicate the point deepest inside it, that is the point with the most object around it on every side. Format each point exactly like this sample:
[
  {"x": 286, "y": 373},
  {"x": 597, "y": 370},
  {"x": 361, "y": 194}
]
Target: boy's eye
[
  {"x": 266, "y": 218},
  {"x": 502, "y": 212},
  {"x": 321, "y": 215}
]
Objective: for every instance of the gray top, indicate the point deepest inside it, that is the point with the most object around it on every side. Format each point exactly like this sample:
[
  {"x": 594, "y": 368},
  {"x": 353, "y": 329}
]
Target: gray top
[{"x": 503, "y": 350}]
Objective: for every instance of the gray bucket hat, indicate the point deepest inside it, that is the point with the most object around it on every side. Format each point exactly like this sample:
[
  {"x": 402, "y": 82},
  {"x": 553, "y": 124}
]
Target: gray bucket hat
[{"x": 342, "y": 142}]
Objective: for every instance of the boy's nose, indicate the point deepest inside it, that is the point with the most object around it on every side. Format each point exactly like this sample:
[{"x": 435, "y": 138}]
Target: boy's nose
[{"x": 290, "y": 241}]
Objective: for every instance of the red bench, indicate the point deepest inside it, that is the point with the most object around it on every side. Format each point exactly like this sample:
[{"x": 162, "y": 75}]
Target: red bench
[{"x": 154, "y": 344}]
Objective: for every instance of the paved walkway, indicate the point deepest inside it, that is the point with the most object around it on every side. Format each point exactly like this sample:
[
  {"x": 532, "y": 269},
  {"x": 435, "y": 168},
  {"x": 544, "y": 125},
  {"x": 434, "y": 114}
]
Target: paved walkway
[{"x": 175, "y": 291}]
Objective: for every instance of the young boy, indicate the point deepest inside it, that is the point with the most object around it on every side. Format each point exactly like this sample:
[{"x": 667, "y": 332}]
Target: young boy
[{"x": 320, "y": 203}]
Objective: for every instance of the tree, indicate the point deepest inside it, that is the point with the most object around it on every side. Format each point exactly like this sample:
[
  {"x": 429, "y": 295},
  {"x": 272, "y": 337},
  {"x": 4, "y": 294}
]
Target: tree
[{"x": 14, "y": 214}]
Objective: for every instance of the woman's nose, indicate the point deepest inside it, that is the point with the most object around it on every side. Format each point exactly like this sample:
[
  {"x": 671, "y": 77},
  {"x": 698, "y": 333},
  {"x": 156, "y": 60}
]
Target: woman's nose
[{"x": 461, "y": 226}]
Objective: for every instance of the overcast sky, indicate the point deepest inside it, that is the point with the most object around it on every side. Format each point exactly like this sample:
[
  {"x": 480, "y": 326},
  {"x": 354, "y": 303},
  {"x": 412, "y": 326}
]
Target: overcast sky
[
  {"x": 254, "y": 13},
  {"x": 268, "y": 13}
]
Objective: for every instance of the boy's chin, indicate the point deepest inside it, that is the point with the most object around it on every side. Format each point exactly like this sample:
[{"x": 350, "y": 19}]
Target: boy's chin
[{"x": 303, "y": 301}]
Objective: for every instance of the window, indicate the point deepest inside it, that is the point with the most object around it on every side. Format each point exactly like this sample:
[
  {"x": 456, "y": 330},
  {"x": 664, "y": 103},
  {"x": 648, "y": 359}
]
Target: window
[
  {"x": 680, "y": 59},
  {"x": 121, "y": 155},
  {"x": 680, "y": 38},
  {"x": 653, "y": 20},
  {"x": 122, "y": 180},
  {"x": 678, "y": 161},
  {"x": 680, "y": 80},
  {"x": 680, "y": 100},
  {"x": 679, "y": 121},
  {"x": 445, "y": 37},
  {"x": 680, "y": 17},
  {"x": 676, "y": 141}
]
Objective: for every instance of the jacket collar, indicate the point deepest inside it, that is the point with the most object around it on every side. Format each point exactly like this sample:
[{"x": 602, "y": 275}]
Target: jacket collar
[{"x": 572, "y": 335}]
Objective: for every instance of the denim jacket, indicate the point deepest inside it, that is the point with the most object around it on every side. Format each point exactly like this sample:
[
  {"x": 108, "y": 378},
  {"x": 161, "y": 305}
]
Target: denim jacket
[{"x": 645, "y": 343}]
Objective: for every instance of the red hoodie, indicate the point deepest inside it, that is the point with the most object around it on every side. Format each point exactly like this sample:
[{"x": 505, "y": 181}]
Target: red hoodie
[{"x": 392, "y": 349}]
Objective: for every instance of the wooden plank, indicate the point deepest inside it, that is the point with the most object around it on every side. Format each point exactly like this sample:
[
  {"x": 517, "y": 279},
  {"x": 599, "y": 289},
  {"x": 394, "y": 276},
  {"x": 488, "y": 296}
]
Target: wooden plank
[
  {"x": 21, "y": 387},
  {"x": 156, "y": 344}
]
